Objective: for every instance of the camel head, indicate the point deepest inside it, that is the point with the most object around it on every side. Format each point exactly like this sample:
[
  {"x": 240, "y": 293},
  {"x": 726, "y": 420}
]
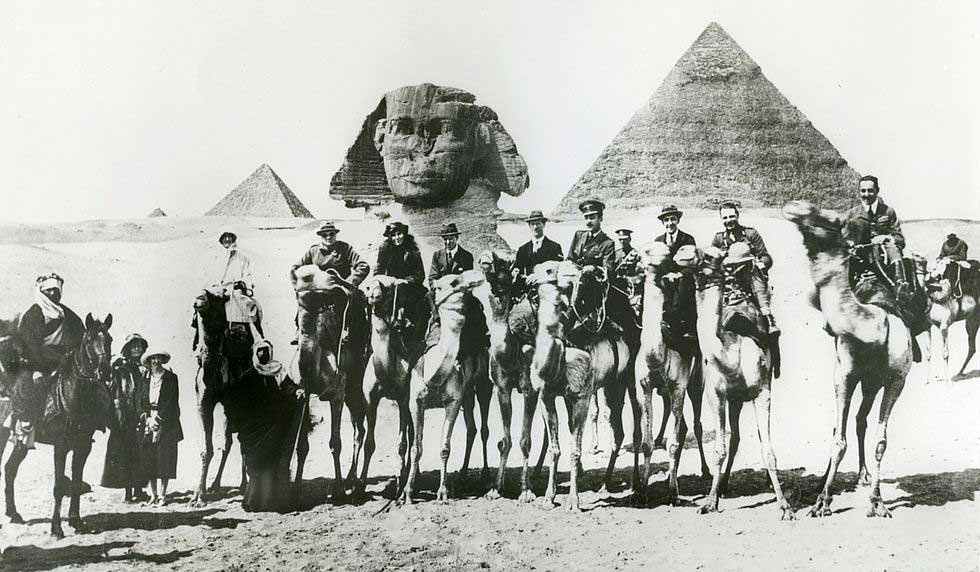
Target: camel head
[
  {"x": 709, "y": 264},
  {"x": 380, "y": 292},
  {"x": 654, "y": 257},
  {"x": 938, "y": 285},
  {"x": 451, "y": 289},
  {"x": 821, "y": 229},
  {"x": 496, "y": 272}
]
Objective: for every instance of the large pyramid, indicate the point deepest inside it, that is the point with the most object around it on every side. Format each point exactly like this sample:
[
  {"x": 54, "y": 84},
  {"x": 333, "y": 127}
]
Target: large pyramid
[
  {"x": 716, "y": 128},
  {"x": 262, "y": 194},
  {"x": 157, "y": 212}
]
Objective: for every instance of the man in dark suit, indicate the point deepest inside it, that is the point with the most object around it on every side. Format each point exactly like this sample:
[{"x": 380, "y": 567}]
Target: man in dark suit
[
  {"x": 680, "y": 306},
  {"x": 592, "y": 247},
  {"x": 454, "y": 259},
  {"x": 537, "y": 250},
  {"x": 734, "y": 232}
]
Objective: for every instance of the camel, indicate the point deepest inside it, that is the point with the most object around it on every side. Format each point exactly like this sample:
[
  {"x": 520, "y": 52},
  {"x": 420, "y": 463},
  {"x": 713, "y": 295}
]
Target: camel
[
  {"x": 510, "y": 362},
  {"x": 950, "y": 303},
  {"x": 443, "y": 375},
  {"x": 333, "y": 339},
  {"x": 673, "y": 370},
  {"x": 737, "y": 369},
  {"x": 874, "y": 348},
  {"x": 223, "y": 356}
]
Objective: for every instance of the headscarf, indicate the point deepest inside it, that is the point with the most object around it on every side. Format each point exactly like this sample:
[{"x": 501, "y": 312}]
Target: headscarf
[
  {"x": 273, "y": 368},
  {"x": 49, "y": 308}
]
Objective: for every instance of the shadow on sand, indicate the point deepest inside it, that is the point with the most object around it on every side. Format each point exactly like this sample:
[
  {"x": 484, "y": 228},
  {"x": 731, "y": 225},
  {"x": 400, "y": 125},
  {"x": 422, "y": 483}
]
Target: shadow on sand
[{"x": 33, "y": 558}]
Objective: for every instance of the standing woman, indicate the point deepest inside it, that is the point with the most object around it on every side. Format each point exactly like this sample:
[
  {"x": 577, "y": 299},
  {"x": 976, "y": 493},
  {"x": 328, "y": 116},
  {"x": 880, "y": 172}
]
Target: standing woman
[
  {"x": 161, "y": 410},
  {"x": 122, "y": 466}
]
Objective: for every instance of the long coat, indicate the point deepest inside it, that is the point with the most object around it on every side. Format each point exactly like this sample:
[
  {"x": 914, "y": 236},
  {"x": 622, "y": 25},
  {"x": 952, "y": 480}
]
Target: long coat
[
  {"x": 956, "y": 251},
  {"x": 527, "y": 258},
  {"x": 34, "y": 328},
  {"x": 129, "y": 387},
  {"x": 861, "y": 226},
  {"x": 401, "y": 262},
  {"x": 159, "y": 460},
  {"x": 593, "y": 249}
]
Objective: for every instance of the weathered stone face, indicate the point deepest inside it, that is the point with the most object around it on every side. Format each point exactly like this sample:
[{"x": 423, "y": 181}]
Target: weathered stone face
[{"x": 428, "y": 146}]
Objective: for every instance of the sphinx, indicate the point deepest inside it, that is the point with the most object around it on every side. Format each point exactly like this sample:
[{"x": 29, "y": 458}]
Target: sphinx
[{"x": 436, "y": 155}]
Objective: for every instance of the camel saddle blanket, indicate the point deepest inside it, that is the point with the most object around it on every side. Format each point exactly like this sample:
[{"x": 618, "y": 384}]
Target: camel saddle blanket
[{"x": 742, "y": 317}]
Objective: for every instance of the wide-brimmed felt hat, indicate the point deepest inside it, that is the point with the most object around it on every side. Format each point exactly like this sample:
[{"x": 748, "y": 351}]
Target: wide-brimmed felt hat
[
  {"x": 535, "y": 216},
  {"x": 624, "y": 232},
  {"x": 394, "y": 228},
  {"x": 228, "y": 234},
  {"x": 327, "y": 228},
  {"x": 134, "y": 338},
  {"x": 738, "y": 252},
  {"x": 686, "y": 256},
  {"x": 591, "y": 206},
  {"x": 150, "y": 352},
  {"x": 448, "y": 229},
  {"x": 667, "y": 210}
]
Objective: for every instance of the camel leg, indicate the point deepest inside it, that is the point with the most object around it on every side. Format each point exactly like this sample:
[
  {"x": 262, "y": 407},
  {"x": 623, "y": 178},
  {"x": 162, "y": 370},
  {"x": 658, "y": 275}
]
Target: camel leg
[
  {"x": 677, "y": 444},
  {"x": 893, "y": 388},
  {"x": 718, "y": 401},
  {"x": 418, "y": 419},
  {"x": 206, "y": 412},
  {"x": 614, "y": 398},
  {"x": 452, "y": 410},
  {"x": 646, "y": 416},
  {"x": 357, "y": 405},
  {"x": 60, "y": 456},
  {"x": 302, "y": 450},
  {"x": 594, "y": 424},
  {"x": 369, "y": 443},
  {"x": 972, "y": 326},
  {"x": 336, "y": 408},
  {"x": 527, "y": 423},
  {"x": 17, "y": 456},
  {"x": 578, "y": 412},
  {"x": 551, "y": 420},
  {"x": 405, "y": 431},
  {"x": 80, "y": 452},
  {"x": 868, "y": 391},
  {"x": 762, "y": 406},
  {"x": 944, "y": 349},
  {"x": 734, "y": 438},
  {"x": 469, "y": 404},
  {"x": 541, "y": 454},
  {"x": 484, "y": 393},
  {"x": 844, "y": 386},
  {"x": 659, "y": 443},
  {"x": 637, "y": 438},
  {"x": 225, "y": 451},
  {"x": 695, "y": 392},
  {"x": 506, "y": 410}
]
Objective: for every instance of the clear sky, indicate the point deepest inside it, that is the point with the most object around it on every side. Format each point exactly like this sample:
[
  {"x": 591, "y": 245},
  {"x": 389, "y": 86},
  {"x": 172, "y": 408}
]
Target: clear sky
[{"x": 109, "y": 109}]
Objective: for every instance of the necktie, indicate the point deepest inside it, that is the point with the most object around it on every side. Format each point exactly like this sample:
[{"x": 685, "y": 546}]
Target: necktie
[{"x": 670, "y": 240}]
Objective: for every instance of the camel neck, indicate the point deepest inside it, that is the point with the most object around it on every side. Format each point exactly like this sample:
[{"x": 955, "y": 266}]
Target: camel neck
[{"x": 840, "y": 307}]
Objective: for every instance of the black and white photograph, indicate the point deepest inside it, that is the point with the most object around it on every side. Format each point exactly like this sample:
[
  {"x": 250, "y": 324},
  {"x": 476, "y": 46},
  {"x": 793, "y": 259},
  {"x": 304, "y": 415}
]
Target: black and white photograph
[{"x": 439, "y": 286}]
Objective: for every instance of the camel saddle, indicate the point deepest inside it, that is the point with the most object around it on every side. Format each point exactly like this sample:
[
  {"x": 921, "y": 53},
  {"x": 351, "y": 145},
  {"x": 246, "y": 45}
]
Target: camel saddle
[
  {"x": 873, "y": 283},
  {"x": 963, "y": 276}
]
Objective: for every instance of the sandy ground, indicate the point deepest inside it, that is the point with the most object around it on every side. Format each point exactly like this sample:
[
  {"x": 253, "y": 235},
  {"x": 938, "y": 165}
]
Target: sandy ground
[{"x": 148, "y": 277}]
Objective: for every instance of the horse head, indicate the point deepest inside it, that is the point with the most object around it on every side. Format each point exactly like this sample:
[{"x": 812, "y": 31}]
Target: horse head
[
  {"x": 821, "y": 230},
  {"x": 96, "y": 347}
]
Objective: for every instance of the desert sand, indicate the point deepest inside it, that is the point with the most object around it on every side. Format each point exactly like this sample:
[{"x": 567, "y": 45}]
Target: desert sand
[{"x": 147, "y": 272}]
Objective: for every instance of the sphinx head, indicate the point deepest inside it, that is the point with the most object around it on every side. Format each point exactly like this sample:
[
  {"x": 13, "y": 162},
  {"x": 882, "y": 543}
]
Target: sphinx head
[{"x": 433, "y": 142}]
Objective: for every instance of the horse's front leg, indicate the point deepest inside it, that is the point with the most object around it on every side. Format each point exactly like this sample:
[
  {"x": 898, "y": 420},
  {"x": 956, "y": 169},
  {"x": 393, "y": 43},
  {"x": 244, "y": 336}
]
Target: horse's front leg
[
  {"x": 60, "y": 456},
  {"x": 17, "y": 456},
  {"x": 79, "y": 455}
]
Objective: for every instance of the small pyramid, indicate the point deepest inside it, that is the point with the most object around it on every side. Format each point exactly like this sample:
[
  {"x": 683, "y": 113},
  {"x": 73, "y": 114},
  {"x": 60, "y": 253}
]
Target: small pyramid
[
  {"x": 716, "y": 129},
  {"x": 156, "y": 212},
  {"x": 262, "y": 194}
]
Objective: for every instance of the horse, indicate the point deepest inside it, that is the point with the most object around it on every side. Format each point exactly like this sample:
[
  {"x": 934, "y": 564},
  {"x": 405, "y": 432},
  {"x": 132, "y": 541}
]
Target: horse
[
  {"x": 225, "y": 353},
  {"x": 77, "y": 404}
]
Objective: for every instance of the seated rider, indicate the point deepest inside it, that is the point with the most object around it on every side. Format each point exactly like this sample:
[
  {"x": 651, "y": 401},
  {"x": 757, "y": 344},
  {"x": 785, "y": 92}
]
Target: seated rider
[
  {"x": 48, "y": 331},
  {"x": 678, "y": 282},
  {"x": 734, "y": 232},
  {"x": 953, "y": 248},
  {"x": 628, "y": 275},
  {"x": 236, "y": 283},
  {"x": 533, "y": 252},
  {"x": 399, "y": 257},
  {"x": 454, "y": 259},
  {"x": 335, "y": 255}
]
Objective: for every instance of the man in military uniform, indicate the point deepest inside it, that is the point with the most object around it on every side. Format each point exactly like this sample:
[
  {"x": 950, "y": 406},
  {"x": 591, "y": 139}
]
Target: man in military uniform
[
  {"x": 680, "y": 306},
  {"x": 592, "y": 247},
  {"x": 454, "y": 259},
  {"x": 953, "y": 248},
  {"x": 537, "y": 250},
  {"x": 735, "y": 232},
  {"x": 629, "y": 275},
  {"x": 874, "y": 222},
  {"x": 336, "y": 255}
]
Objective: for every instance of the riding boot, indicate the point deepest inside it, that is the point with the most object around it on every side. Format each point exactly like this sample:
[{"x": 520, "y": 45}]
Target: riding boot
[
  {"x": 903, "y": 290},
  {"x": 773, "y": 328}
]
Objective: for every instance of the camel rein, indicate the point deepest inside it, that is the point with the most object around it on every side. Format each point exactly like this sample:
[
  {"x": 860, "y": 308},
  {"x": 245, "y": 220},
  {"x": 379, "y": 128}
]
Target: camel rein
[{"x": 600, "y": 311}]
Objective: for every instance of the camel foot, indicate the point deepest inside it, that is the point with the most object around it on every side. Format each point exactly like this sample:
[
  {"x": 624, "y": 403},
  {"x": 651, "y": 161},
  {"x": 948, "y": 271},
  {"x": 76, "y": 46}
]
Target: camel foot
[
  {"x": 864, "y": 477},
  {"x": 659, "y": 444},
  {"x": 215, "y": 487},
  {"x": 546, "y": 503},
  {"x": 442, "y": 496},
  {"x": 710, "y": 506},
  {"x": 492, "y": 494},
  {"x": 527, "y": 496},
  {"x": 198, "y": 501},
  {"x": 57, "y": 532},
  {"x": 405, "y": 499},
  {"x": 821, "y": 507},
  {"x": 77, "y": 524},
  {"x": 572, "y": 504},
  {"x": 15, "y": 518},
  {"x": 878, "y": 509},
  {"x": 786, "y": 513}
]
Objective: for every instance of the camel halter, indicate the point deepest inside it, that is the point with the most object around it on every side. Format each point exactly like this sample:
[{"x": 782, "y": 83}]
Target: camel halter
[{"x": 600, "y": 312}]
